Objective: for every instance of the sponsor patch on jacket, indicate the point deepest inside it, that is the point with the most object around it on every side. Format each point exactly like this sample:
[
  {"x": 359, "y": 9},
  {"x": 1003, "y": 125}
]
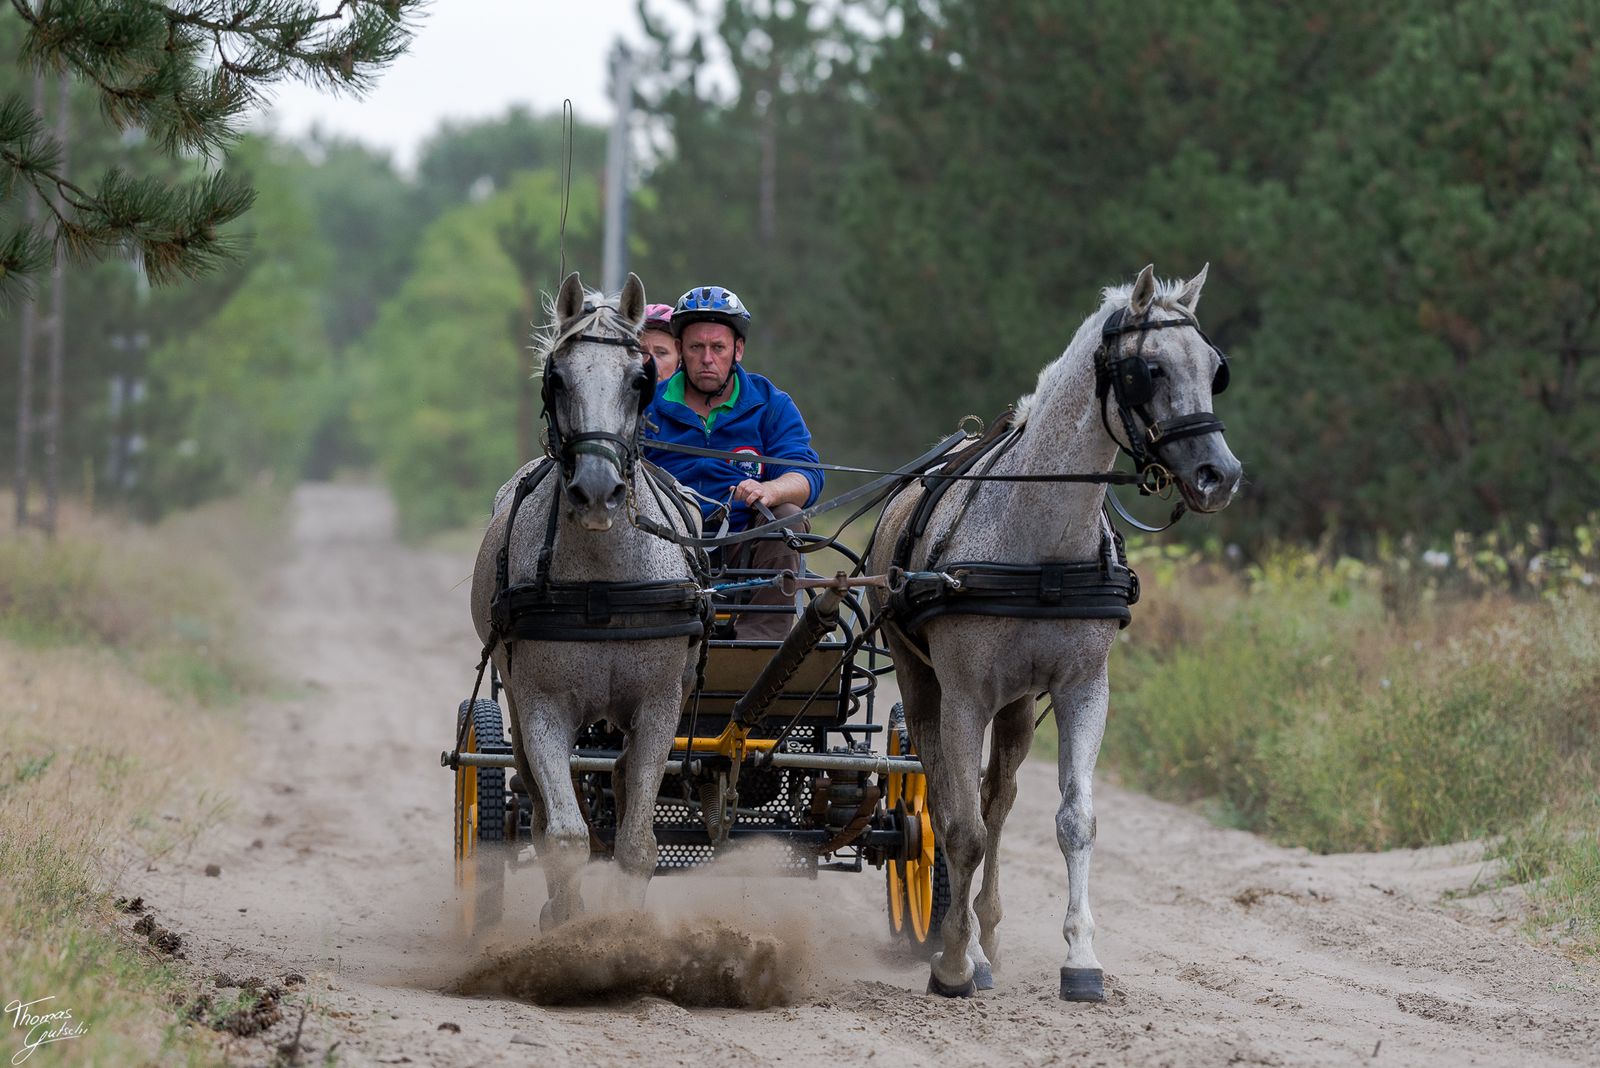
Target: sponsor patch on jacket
[{"x": 752, "y": 468}]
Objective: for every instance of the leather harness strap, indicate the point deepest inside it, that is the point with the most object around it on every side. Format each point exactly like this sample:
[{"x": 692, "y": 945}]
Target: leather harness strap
[
  {"x": 1104, "y": 588},
  {"x": 545, "y": 610},
  {"x": 1052, "y": 590}
]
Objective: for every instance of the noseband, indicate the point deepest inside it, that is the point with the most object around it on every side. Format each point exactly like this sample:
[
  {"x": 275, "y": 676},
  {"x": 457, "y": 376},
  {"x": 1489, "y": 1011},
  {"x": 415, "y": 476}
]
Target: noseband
[
  {"x": 1130, "y": 381},
  {"x": 620, "y": 452}
]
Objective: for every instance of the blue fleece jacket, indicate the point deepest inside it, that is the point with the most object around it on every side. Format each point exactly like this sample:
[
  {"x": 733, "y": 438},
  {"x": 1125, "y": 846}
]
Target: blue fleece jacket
[{"x": 764, "y": 420}]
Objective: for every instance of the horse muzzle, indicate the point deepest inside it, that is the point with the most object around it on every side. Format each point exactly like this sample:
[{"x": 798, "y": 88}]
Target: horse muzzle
[
  {"x": 596, "y": 493},
  {"x": 1210, "y": 486}
]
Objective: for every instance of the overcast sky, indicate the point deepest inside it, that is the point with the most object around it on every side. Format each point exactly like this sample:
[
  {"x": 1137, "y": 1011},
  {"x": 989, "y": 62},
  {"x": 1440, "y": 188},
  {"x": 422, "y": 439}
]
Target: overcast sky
[{"x": 474, "y": 59}]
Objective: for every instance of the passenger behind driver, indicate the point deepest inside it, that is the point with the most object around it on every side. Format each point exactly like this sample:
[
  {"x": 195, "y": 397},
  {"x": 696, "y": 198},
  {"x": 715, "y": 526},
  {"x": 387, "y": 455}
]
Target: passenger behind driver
[{"x": 656, "y": 339}]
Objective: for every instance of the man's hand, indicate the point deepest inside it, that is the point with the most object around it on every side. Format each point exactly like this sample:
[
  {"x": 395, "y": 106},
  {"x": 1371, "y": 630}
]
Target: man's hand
[{"x": 791, "y": 488}]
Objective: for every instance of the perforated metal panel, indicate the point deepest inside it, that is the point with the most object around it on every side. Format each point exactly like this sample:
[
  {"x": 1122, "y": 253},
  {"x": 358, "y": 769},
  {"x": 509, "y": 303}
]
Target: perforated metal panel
[{"x": 777, "y": 814}]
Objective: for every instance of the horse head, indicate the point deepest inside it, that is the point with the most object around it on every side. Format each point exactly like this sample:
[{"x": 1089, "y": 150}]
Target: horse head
[
  {"x": 1158, "y": 368},
  {"x": 596, "y": 388}
]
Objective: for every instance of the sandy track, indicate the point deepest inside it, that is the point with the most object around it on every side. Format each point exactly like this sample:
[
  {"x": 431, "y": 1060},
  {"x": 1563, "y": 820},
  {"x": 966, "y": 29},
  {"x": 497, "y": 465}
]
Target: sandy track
[{"x": 1221, "y": 949}]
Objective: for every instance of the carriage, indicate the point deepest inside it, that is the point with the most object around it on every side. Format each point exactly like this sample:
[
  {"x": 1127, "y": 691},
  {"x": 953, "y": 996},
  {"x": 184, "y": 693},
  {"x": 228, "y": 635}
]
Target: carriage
[{"x": 818, "y": 780}]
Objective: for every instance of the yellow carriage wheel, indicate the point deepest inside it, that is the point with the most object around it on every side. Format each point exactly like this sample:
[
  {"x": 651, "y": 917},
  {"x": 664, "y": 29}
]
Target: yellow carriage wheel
[
  {"x": 467, "y": 833},
  {"x": 913, "y": 904},
  {"x": 480, "y": 810}
]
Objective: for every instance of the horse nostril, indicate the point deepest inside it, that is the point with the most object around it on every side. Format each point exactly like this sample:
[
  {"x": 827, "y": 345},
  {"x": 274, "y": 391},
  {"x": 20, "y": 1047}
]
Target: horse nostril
[
  {"x": 614, "y": 498},
  {"x": 577, "y": 495},
  {"x": 1207, "y": 477}
]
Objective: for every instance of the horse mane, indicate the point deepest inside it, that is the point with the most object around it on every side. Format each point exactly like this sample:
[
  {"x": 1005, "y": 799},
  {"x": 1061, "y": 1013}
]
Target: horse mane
[
  {"x": 553, "y": 335},
  {"x": 1168, "y": 291}
]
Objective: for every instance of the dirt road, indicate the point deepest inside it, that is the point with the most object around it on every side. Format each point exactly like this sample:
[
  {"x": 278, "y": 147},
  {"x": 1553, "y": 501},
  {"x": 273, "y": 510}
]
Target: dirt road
[{"x": 1220, "y": 948}]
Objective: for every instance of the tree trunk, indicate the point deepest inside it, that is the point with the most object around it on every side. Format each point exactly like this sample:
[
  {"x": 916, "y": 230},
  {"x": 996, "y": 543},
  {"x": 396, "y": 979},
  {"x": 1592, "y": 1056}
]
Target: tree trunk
[
  {"x": 58, "y": 332},
  {"x": 767, "y": 213},
  {"x": 30, "y": 330}
]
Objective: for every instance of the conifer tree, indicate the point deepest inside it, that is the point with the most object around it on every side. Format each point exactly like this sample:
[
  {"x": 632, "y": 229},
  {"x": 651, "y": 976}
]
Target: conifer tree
[{"x": 185, "y": 73}]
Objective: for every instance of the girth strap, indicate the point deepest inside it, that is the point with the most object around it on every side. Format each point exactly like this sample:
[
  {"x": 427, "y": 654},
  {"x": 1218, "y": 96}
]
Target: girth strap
[
  {"x": 1052, "y": 590},
  {"x": 602, "y": 611}
]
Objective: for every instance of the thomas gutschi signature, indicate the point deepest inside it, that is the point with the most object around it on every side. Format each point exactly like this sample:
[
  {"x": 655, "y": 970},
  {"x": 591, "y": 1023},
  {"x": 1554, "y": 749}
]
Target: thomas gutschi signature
[{"x": 42, "y": 1027}]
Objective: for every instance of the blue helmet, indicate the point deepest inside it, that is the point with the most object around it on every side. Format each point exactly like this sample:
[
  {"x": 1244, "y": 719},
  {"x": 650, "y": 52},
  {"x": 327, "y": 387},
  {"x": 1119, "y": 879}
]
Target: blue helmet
[{"x": 710, "y": 304}]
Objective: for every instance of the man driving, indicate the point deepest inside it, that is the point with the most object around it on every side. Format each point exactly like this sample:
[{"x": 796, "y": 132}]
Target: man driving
[{"x": 713, "y": 402}]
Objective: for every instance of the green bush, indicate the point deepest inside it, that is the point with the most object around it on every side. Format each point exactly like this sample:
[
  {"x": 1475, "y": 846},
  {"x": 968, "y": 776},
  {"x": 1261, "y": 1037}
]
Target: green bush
[{"x": 1315, "y": 716}]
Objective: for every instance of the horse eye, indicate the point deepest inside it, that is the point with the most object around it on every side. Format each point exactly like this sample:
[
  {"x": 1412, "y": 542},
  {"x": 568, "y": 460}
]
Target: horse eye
[{"x": 557, "y": 383}]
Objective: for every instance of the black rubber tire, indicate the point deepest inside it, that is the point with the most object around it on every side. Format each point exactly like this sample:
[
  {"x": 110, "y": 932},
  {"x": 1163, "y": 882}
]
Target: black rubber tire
[
  {"x": 941, "y": 897},
  {"x": 488, "y": 726}
]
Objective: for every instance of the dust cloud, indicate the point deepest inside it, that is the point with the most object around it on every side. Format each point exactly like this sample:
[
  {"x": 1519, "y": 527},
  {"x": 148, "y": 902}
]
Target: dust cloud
[{"x": 735, "y": 934}]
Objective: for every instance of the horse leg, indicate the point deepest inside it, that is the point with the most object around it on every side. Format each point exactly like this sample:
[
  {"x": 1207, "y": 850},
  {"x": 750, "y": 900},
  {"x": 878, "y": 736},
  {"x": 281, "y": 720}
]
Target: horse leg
[
  {"x": 919, "y": 699},
  {"x": 1080, "y": 724},
  {"x": 565, "y": 847},
  {"x": 922, "y": 697},
  {"x": 1013, "y": 735},
  {"x": 649, "y": 744},
  {"x": 519, "y": 755},
  {"x": 953, "y": 755}
]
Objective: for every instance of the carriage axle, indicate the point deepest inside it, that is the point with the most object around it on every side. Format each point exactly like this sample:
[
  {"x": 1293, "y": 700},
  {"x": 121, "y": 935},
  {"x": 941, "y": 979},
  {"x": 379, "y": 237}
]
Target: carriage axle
[{"x": 871, "y": 763}]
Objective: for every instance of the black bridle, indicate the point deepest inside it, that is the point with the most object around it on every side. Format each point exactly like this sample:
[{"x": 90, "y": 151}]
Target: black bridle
[
  {"x": 621, "y": 451},
  {"x": 1130, "y": 381}
]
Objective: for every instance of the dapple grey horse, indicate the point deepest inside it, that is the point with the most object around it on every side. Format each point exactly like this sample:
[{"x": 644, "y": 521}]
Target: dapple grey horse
[
  {"x": 555, "y": 688},
  {"x": 987, "y": 669}
]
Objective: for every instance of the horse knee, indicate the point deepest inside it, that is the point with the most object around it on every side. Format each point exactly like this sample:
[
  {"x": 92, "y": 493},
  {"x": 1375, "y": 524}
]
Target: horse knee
[
  {"x": 1075, "y": 821},
  {"x": 963, "y": 845},
  {"x": 566, "y": 838},
  {"x": 1001, "y": 794},
  {"x": 637, "y": 853}
]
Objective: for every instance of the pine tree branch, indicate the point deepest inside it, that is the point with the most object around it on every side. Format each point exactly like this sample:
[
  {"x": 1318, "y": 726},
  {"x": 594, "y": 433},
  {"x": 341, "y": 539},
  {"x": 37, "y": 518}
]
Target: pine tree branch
[{"x": 185, "y": 71}]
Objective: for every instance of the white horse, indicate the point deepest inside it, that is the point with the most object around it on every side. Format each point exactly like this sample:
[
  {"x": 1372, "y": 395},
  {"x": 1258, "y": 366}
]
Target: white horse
[
  {"x": 595, "y": 390},
  {"x": 988, "y": 669}
]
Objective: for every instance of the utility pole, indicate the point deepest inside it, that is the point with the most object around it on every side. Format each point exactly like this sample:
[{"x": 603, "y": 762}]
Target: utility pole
[
  {"x": 614, "y": 251},
  {"x": 58, "y": 330},
  {"x": 767, "y": 197},
  {"x": 30, "y": 333}
]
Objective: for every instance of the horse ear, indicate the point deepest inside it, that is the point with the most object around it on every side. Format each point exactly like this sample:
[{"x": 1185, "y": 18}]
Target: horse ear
[
  {"x": 1144, "y": 290},
  {"x": 1191, "y": 290},
  {"x": 569, "y": 301},
  {"x": 632, "y": 303}
]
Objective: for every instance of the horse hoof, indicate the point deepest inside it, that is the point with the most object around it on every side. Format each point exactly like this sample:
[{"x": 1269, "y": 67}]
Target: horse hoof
[
  {"x": 1083, "y": 984},
  {"x": 983, "y": 976},
  {"x": 965, "y": 990}
]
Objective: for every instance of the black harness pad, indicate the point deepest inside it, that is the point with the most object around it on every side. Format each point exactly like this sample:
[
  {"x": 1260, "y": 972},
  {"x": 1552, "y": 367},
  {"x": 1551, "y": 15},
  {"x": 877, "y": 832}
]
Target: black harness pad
[
  {"x": 1052, "y": 590},
  {"x": 601, "y": 611}
]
